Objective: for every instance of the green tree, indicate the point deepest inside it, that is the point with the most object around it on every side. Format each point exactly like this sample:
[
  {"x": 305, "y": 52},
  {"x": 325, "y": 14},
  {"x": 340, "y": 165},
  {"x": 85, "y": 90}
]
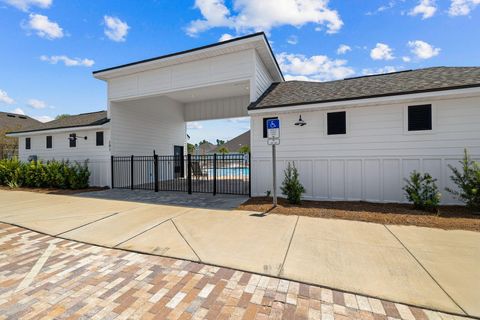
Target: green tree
[
  {"x": 244, "y": 149},
  {"x": 223, "y": 150},
  {"x": 291, "y": 186},
  {"x": 62, "y": 116},
  {"x": 467, "y": 179},
  {"x": 190, "y": 148},
  {"x": 202, "y": 142},
  {"x": 422, "y": 191},
  {"x": 220, "y": 142}
]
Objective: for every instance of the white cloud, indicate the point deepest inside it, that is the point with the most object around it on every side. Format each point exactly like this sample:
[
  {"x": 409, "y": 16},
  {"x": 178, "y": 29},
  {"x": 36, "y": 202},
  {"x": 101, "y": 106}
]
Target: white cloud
[
  {"x": 255, "y": 15},
  {"x": 390, "y": 5},
  {"x": 343, "y": 48},
  {"x": 18, "y": 111},
  {"x": 462, "y": 7},
  {"x": 43, "y": 27},
  {"x": 25, "y": 5},
  {"x": 43, "y": 118},
  {"x": 36, "y": 104},
  {"x": 406, "y": 59},
  {"x": 194, "y": 125},
  {"x": 314, "y": 68},
  {"x": 426, "y": 8},
  {"x": 386, "y": 69},
  {"x": 5, "y": 98},
  {"x": 225, "y": 37},
  {"x": 382, "y": 52},
  {"x": 115, "y": 29},
  {"x": 292, "y": 40},
  {"x": 69, "y": 62},
  {"x": 423, "y": 50}
]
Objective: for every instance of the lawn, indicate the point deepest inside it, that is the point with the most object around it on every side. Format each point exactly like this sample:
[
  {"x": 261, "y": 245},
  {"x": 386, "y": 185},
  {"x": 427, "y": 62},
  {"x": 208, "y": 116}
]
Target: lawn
[{"x": 449, "y": 217}]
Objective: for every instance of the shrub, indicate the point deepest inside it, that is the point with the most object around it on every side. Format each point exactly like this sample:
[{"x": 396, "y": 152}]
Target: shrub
[
  {"x": 422, "y": 191},
  {"x": 291, "y": 186},
  {"x": 39, "y": 174},
  {"x": 467, "y": 179}
]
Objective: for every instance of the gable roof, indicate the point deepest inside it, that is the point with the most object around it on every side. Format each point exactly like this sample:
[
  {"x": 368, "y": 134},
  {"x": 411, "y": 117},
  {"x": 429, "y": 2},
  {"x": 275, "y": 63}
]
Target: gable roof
[
  {"x": 234, "y": 144},
  {"x": 73, "y": 121},
  {"x": 292, "y": 93},
  {"x": 12, "y": 121},
  {"x": 257, "y": 40}
]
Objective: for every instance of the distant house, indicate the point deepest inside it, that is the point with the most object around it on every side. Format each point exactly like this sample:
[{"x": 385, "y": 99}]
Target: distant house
[
  {"x": 204, "y": 148},
  {"x": 10, "y": 122},
  {"x": 234, "y": 145}
]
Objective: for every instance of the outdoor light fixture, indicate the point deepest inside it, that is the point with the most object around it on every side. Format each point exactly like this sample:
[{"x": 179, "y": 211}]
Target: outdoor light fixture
[
  {"x": 74, "y": 137},
  {"x": 300, "y": 122}
]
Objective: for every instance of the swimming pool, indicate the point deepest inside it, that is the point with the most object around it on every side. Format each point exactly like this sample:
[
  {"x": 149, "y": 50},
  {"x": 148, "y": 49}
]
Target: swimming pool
[{"x": 241, "y": 172}]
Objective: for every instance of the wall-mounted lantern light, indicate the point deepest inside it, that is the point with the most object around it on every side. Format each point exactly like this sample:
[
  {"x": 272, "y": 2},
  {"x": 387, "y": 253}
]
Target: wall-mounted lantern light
[
  {"x": 300, "y": 122},
  {"x": 74, "y": 137}
]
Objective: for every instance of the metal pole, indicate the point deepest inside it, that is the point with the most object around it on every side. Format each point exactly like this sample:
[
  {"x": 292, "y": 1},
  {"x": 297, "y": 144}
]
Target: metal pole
[
  {"x": 274, "y": 167},
  {"x": 155, "y": 170},
  {"x": 111, "y": 171},
  {"x": 214, "y": 174},
  {"x": 189, "y": 178},
  {"x": 131, "y": 172}
]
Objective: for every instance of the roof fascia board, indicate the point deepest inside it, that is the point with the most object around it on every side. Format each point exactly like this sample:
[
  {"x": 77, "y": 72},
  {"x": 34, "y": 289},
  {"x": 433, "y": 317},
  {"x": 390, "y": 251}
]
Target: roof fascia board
[
  {"x": 444, "y": 94},
  {"x": 58, "y": 130}
]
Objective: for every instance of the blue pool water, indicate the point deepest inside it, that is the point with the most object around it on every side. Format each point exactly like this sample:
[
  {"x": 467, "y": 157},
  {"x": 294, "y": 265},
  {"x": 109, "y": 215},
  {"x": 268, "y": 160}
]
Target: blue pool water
[{"x": 230, "y": 172}]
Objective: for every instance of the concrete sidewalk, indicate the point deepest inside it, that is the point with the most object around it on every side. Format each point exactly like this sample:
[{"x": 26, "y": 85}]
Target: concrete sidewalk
[{"x": 425, "y": 267}]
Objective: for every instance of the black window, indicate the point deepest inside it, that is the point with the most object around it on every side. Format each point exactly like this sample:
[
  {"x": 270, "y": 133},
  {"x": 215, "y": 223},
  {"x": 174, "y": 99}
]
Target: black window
[
  {"x": 28, "y": 143},
  {"x": 49, "y": 142},
  {"x": 73, "y": 140},
  {"x": 265, "y": 125},
  {"x": 420, "y": 117},
  {"x": 100, "y": 138},
  {"x": 336, "y": 123}
]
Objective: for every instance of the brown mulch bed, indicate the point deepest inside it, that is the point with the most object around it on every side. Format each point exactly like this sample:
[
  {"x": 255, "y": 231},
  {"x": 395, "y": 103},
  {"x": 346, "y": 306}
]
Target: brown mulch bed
[
  {"x": 54, "y": 190},
  {"x": 449, "y": 217}
]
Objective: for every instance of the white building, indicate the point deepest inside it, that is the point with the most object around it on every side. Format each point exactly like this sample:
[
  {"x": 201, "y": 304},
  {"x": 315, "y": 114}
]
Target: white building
[{"x": 362, "y": 135}]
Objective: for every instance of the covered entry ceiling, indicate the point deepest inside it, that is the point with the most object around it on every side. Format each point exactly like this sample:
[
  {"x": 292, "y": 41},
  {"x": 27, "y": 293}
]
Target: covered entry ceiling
[{"x": 220, "y": 91}]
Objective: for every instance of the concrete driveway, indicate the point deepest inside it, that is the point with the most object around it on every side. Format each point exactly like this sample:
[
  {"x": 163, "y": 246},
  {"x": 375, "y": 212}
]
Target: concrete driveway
[{"x": 425, "y": 267}]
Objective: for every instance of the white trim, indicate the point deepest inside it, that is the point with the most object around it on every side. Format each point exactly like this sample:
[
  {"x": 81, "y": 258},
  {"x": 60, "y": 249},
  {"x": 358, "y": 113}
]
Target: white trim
[
  {"x": 402, "y": 98},
  {"x": 419, "y": 132},
  {"x": 347, "y": 124},
  {"x": 69, "y": 129}
]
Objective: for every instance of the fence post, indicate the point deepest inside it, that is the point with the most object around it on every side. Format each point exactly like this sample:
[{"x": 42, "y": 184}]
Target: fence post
[
  {"x": 155, "y": 170},
  {"x": 189, "y": 169},
  {"x": 111, "y": 170},
  {"x": 214, "y": 174},
  {"x": 249, "y": 174},
  {"x": 131, "y": 172}
]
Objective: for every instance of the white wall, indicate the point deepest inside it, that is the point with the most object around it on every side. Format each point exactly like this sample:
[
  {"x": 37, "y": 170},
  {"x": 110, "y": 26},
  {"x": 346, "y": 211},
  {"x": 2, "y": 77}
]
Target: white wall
[
  {"x": 371, "y": 160},
  {"x": 231, "y": 107},
  {"x": 209, "y": 71},
  {"x": 98, "y": 156},
  {"x": 141, "y": 126},
  {"x": 263, "y": 79}
]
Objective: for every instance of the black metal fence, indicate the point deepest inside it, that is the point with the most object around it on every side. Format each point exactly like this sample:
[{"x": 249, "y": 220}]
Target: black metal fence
[{"x": 216, "y": 174}]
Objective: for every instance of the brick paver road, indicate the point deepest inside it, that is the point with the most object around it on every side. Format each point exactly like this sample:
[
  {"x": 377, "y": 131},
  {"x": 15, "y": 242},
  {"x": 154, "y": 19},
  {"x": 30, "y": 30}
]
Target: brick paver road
[{"x": 46, "y": 277}]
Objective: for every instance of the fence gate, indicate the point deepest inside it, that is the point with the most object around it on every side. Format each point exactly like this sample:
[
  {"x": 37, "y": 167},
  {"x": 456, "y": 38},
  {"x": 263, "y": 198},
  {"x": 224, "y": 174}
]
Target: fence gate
[{"x": 216, "y": 174}]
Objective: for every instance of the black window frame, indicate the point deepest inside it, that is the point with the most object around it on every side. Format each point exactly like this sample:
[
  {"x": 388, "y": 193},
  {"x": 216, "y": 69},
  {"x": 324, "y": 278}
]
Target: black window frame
[
  {"x": 28, "y": 143},
  {"x": 415, "y": 113},
  {"x": 49, "y": 142},
  {"x": 97, "y": 135},
  {"x": 72, "y": 142},
  {"x": 265, "y": 131},
  {"x": 332, "y": 131}
]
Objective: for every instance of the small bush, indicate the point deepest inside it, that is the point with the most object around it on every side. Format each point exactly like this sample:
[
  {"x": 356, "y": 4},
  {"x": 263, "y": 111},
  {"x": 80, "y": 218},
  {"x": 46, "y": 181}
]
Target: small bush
[
  {"x": 467, "y": 180},
  {"x": 39, "y": 174},
  {"x": 422, "y": 191},
  {"x": 291, "y": 186}
]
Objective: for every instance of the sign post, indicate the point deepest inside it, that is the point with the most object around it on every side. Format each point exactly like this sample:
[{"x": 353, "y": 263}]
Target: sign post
[{"x": 273, "y": 135}]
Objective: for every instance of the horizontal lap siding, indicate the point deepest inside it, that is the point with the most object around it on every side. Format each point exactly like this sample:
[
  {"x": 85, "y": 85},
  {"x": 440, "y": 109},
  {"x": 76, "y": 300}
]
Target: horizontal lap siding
[
  {"x": 371, "y": 161},
  {"x": 263, "y": 80},
  {"x": 217, "y": 109},
  {"x": 98, "y": 156}
]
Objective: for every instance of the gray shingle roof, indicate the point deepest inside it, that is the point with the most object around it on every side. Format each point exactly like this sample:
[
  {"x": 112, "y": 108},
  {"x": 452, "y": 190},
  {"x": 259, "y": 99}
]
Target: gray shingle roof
[
  {"x": 404, "y": 82},
  {"x": 234, "y": 144},
  {"x": 73, "y": 121},
  {"x": 12, "y": 121}
]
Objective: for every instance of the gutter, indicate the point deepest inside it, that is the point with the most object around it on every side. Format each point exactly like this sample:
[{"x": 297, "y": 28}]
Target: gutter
[{"x": 57, "y": 130}]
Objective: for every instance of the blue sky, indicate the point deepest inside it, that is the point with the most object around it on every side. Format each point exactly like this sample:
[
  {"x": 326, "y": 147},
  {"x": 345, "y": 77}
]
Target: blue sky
[{"x": 50, "y": 47}]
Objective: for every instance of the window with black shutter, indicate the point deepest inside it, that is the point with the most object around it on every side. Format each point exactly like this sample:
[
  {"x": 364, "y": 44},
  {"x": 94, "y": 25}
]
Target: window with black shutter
[
  {"x": 336, "y": 123},
  {"x": 73, "y": 140},
  {"x": 49, "y": 142},
  {"x": 100, "y": 138},
  {"x": 420, "y": 117},
  {"x": 28, "y": 143},
  {"x": 265, "y": 125}
]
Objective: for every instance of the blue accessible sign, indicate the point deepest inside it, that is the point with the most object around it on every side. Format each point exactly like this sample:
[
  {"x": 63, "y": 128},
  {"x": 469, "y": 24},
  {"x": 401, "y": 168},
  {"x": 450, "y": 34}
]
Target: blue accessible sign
[{"x": 273, "y": 128}]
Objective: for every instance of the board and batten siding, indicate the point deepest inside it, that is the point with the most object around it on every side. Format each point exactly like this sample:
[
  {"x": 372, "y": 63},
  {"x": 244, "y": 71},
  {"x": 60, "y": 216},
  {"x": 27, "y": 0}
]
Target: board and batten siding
[
  {"x": 369, "y": 162},
  {"x": 209, "y": 71},
  {"x": 98, "y": 156},
  {"x": 141, "y": 126}
]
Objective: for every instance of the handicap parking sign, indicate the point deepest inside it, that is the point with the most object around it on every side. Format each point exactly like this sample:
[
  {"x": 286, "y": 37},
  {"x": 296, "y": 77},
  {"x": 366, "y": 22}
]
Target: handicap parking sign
[{"x": 273, "y": 128}]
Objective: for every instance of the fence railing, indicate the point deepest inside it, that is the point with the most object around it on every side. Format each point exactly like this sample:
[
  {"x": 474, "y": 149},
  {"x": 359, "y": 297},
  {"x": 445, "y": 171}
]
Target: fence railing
[{"x": 216, "y": 174}]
